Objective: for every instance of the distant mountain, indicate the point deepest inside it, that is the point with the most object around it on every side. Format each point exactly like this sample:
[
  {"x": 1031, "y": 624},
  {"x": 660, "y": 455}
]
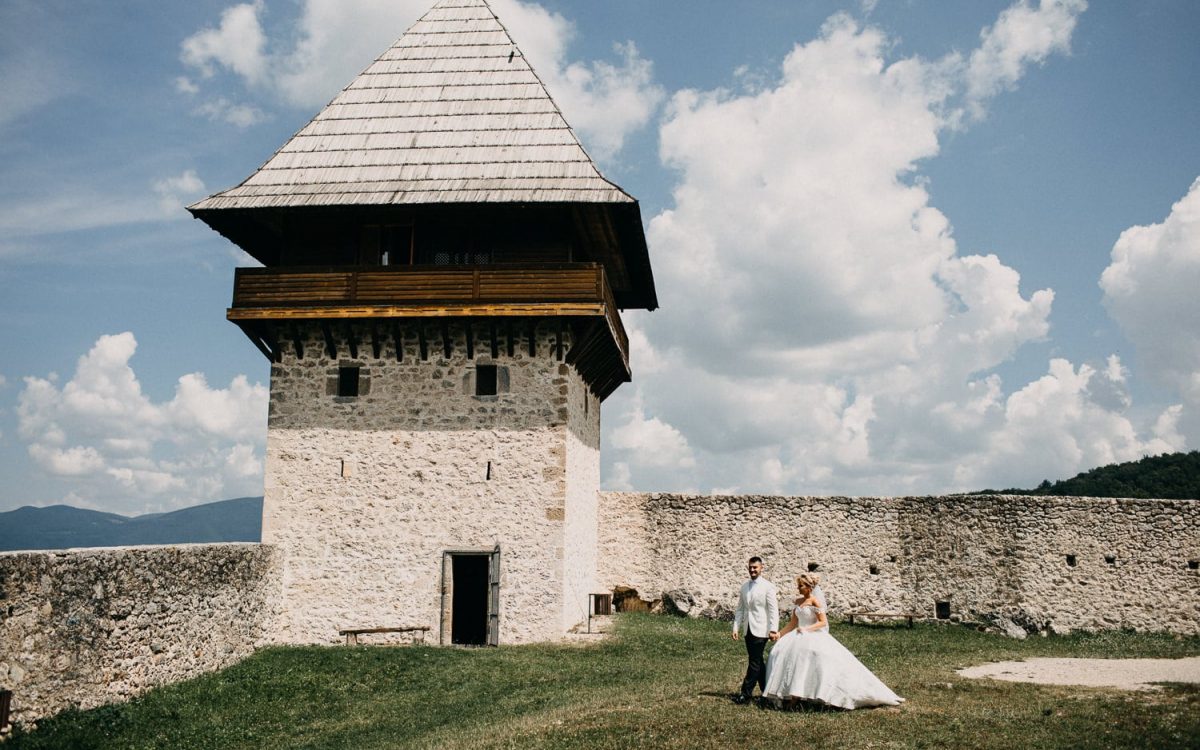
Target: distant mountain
[
  {"x": 61, "y": 526},
  {"x": 1170, "y": 476}
]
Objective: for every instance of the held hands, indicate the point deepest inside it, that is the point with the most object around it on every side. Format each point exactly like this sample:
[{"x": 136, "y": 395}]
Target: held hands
[{"x": 773, "y": 635}]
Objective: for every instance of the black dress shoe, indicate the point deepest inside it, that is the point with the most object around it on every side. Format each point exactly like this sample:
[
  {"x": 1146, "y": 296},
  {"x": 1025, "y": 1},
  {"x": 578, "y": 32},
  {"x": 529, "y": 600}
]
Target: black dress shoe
[{"x": 741, "y": 700}]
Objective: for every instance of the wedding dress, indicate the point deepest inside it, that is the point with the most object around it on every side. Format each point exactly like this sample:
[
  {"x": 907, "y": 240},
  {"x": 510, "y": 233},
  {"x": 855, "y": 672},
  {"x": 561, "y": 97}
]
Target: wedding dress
[{"x": 813, "y": 665}]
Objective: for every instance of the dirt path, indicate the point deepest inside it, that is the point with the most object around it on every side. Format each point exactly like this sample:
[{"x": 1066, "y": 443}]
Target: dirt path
[{"x": 1126, "y": 674}]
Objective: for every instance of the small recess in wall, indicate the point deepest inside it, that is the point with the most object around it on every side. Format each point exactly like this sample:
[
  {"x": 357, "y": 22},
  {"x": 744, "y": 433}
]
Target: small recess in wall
[
  {"x": 489, "y": 471},
  {"x": 1110, "y": 559},
  {"x": 942, "y": 610},
  {"x": 1193, "y": 564},
  {"x": 347, "y": 469},
  {"x": 873, "y": 570},
  {"x": 1071, "y": 561},
  {"x": 891, "y": 558},
  {"x": 347, "y": 382},
  {"x": 812, "y": 567},
  {"x": 485, "y": 380}
]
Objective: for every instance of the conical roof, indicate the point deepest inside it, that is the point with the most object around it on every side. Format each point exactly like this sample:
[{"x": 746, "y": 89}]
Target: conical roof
[{"x": 451, "y": 113}]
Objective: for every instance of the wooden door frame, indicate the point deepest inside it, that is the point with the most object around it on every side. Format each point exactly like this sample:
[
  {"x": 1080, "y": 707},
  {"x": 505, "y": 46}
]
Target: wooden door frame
[{"x": 445, "y": 617}]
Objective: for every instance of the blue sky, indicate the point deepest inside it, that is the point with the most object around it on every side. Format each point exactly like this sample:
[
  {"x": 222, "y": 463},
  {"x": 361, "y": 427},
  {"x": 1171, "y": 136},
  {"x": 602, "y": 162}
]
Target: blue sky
[{"x": 902, "y": 246}]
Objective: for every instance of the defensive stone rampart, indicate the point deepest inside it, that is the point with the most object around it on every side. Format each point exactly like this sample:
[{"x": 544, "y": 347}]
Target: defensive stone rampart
[
  {"x": 89, "y": 627},
  {"x": 1046, "y": 563}
]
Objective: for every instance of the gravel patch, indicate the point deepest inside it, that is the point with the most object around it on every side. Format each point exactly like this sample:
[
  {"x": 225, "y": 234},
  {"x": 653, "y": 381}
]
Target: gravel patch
[{"x": 1124, "y": 674}]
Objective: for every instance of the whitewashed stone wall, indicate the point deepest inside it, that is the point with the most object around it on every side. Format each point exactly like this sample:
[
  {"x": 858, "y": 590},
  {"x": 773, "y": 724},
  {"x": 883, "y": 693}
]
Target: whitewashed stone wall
[
  {"x": 1135, "y": 561},
  {"x": 364, "y": 495},
  {"x": 583, "y": 483},
  {"x": 89, "y": 627}
]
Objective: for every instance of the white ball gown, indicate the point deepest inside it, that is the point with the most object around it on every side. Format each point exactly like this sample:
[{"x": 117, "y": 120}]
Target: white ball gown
[{"x": 815, "y": 666}]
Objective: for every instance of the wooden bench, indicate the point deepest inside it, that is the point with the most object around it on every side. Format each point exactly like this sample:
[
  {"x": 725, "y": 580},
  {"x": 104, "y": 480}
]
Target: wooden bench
[
  {"x": 352, "y": 634},
  {"x": 851, "y": 616}
]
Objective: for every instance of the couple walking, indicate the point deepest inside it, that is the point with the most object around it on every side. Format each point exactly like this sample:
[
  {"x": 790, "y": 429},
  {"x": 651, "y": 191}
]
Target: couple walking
[{"x": 806, "y": 663}]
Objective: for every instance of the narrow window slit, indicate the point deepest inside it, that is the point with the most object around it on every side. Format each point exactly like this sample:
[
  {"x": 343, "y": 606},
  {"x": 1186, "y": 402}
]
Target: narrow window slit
[{"x": 1071, "y": 561}]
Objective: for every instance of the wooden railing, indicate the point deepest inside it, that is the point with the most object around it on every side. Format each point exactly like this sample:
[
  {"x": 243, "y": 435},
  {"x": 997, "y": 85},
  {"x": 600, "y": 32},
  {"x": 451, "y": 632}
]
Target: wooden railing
[{"x": 495, "y": 290}]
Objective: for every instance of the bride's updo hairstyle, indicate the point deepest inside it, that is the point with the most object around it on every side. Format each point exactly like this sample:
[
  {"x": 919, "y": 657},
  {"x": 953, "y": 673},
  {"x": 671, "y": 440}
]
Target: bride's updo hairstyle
[{"x": 810, "y": 580}]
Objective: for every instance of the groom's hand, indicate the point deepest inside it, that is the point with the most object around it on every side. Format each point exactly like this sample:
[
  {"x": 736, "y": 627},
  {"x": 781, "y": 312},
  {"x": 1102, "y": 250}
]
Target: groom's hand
[
  {"x": 733, "y": 635},
  {"x": 773, "y": 635}
]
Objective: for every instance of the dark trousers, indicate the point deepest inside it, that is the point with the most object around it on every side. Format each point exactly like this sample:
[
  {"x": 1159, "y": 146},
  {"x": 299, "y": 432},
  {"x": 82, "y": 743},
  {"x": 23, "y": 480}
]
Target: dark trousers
[{"x": 756, "y": 672}]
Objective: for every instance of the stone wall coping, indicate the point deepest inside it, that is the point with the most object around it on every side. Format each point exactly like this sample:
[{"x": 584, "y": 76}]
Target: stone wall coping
[{"x": 131, "y": 548}]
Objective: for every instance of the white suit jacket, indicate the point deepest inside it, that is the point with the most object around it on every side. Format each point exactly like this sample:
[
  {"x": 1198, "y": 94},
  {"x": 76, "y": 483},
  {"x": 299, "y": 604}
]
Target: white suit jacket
[{"x": 757, "y": 608}]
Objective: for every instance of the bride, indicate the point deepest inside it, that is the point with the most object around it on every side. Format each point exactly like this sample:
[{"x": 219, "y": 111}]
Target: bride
[{"x": 810, "y": 664}]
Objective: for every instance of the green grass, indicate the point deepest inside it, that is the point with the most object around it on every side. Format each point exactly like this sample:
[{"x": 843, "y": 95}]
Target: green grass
[{"x": 661, "y": 682}]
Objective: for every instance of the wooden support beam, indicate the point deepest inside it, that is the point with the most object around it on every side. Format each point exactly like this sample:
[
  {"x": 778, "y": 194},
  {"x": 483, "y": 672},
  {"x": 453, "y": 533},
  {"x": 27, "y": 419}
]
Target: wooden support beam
[
  {"x": 351, "y": 339},
  {"x": 495, "y": 343},
  {"x": 330, "y": 344},
  {"x": 376, "y": 341},
  {"x": 271, "y": 337},
  {"x": 424, "y": 345},
  {"x": 298, "y": 341},
  {"x": 258, "y": 342},
  {"x": 398, "y": 340},
  {"x": 447, "y": 342},
  {"x": 584, "y": 343},
  {"x": 470, "y": 328}
]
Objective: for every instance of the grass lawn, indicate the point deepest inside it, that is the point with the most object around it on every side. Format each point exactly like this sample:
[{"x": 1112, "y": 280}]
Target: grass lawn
[{"x": 661, "y": 682}]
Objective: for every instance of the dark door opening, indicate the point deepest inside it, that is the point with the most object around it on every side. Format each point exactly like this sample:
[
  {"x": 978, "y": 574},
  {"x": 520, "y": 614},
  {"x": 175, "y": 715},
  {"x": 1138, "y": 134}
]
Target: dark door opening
[{"x": 469, "y": 605}]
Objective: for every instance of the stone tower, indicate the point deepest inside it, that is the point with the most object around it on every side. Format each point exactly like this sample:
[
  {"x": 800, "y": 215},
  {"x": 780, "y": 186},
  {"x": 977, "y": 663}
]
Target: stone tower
[{"x": 443, "y": 272}]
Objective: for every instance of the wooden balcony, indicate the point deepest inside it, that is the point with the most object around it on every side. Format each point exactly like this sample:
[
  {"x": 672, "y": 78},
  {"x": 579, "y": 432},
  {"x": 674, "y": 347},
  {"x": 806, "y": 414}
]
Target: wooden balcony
[{"x": 576, "y": 295}]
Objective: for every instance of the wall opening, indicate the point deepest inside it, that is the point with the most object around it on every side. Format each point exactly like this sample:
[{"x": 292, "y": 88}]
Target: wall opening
[
  {"x": 347, "y": 386},
  {"x": 1193, "y": 564},
  {"x": 873, "y": 570},
  {"x": 942, "y": 609},
  {"x": 1071, "y": 561},
  {"x": 1110, "y": 559},
  {"x": 813, "y": 567},
  {"x": 471, "y": 598},
  {"x": 485, "y": 380},
  {"x": 468, "y": 607}
]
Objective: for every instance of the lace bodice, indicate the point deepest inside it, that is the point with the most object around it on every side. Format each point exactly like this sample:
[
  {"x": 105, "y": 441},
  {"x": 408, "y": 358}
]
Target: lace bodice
[{"x": 807, "y": 615}]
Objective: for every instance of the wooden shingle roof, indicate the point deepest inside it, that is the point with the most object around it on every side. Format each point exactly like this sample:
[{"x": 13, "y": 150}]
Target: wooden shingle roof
[{"x": 451, "y": 113}]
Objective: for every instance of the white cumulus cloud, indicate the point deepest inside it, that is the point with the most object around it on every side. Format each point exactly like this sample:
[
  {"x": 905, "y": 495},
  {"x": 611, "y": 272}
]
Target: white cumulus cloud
[
  {"x": 820, "y": 329},
  {"x": 174, "y": 192},
  {"x": 1150, "y": 290},
  {"x": 106, "y": 441},
  {"x": 1023, "y": 35},
  {"x": 237, "y": 44}
]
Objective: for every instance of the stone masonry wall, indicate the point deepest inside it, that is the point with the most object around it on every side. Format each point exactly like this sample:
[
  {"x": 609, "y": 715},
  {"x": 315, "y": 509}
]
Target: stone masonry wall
[
  {"x": 89, "y": 627},
  {"x": 1133, "y": 563},
  {"x": 364, "y": 495},
  {"x": 583, "y": 483}
]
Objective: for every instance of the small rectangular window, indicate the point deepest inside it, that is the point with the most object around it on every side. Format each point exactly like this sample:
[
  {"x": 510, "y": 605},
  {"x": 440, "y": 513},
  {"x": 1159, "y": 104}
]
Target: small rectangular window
[
  {"x": 348, "y": 382},
  {"x": 485, "y": 380}
]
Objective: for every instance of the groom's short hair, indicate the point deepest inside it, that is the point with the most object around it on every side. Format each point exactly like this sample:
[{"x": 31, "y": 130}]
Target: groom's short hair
[{"x": 755, "y": 559}]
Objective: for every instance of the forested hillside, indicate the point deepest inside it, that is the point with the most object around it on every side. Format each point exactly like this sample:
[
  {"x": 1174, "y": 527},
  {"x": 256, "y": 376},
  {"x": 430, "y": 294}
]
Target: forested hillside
[{"x": 1169, "y": 476}]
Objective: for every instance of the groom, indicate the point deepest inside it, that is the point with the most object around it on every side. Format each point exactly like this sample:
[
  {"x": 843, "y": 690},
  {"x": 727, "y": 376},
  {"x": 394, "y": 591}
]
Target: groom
[{"x": 757, "y": 617}]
